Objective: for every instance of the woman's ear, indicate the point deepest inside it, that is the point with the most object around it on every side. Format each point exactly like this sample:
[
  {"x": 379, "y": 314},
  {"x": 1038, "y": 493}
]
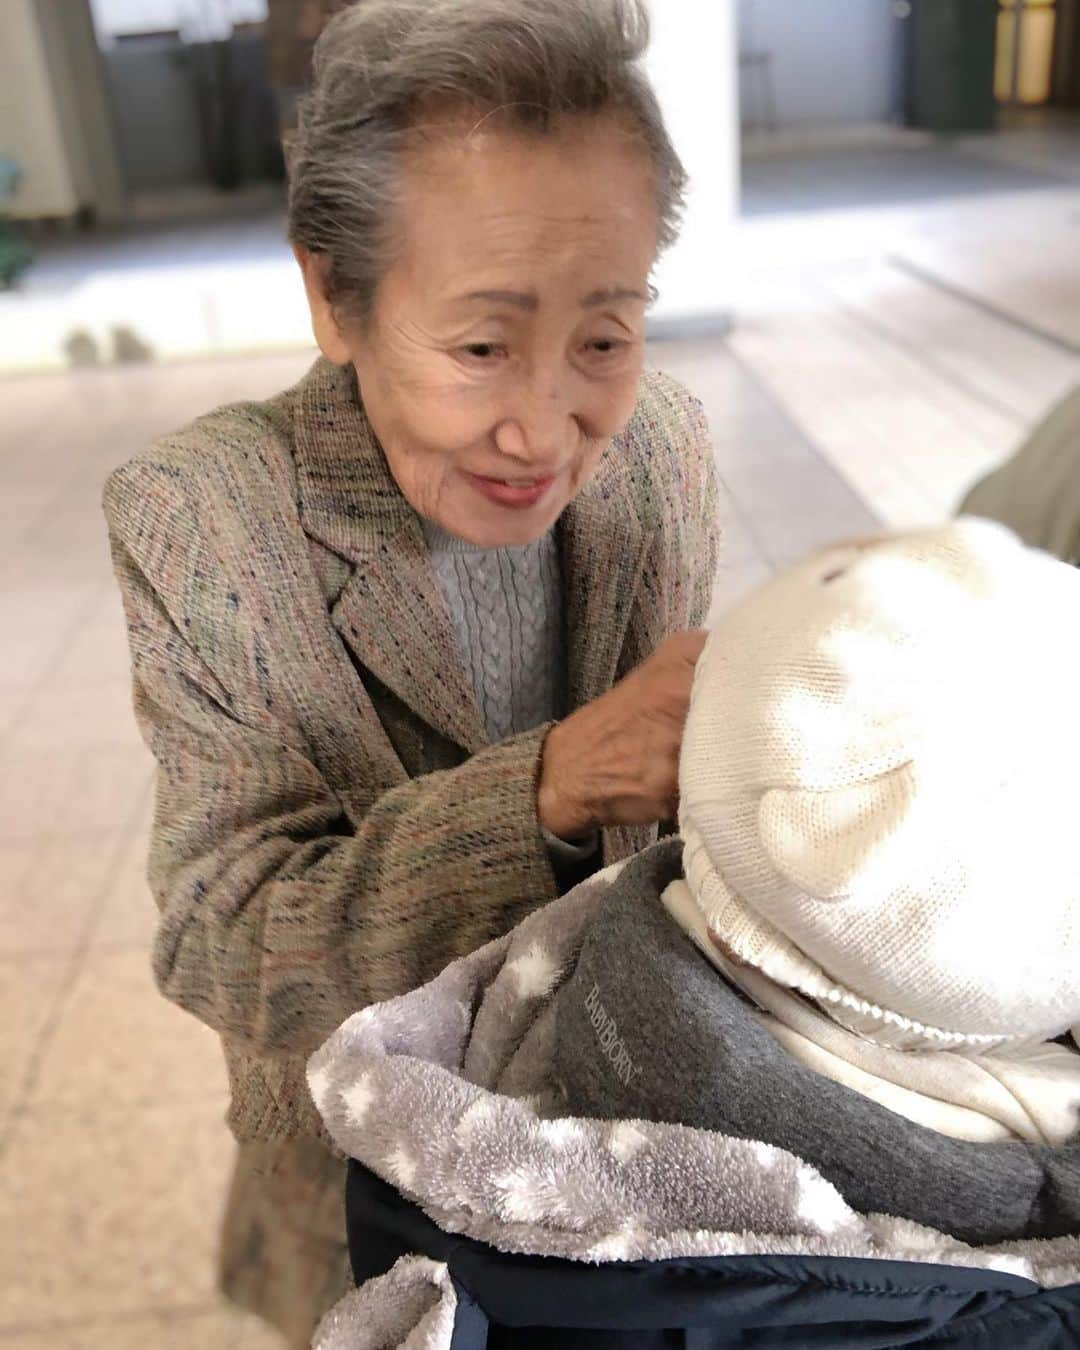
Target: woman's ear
[{"x": 324, "y": 324}]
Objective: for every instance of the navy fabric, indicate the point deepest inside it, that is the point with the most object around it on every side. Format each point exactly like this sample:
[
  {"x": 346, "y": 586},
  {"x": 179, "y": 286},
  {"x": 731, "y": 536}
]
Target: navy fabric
[{"x": 515, "y": 1302}]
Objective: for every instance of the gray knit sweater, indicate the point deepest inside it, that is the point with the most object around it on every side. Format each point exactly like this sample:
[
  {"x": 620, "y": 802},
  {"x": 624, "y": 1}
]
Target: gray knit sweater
[
  {"x": 507, "y": 609},
  {"x": 506, "y": 606}
]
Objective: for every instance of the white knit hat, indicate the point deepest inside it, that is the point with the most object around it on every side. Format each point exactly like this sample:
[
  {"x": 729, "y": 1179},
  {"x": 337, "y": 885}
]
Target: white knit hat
[{"x": 880, "y": 787}]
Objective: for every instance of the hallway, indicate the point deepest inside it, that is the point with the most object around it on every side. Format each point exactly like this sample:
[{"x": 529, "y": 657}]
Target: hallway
[{"x": 852, "y": 389}]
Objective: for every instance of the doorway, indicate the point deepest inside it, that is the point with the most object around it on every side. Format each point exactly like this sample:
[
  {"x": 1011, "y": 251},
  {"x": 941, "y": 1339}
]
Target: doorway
[{"x": 1024, "y": 56}]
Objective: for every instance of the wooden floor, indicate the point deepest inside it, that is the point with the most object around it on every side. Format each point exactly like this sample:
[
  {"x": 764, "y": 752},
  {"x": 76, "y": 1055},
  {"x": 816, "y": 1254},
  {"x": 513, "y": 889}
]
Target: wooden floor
[{"x": 847, "y": 393}]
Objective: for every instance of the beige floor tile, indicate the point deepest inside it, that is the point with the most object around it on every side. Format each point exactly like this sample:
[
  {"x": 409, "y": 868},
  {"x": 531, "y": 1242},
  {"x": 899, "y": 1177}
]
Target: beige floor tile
[
  {"x": 29, "y": 653},
  {"x": 75, "y": 532},
  {"x": 1007, "y": 365},
  {"x": 128, "y": 916},
  {"x": 49, "y": 889},
  {"x": 212, "y": 1330},
  {"x": 97, "y": 651},
  {"x": 42, "y": 561},
  {"x": 1017, "y": 271},
  {"x": 78, "y": 715},
  {"x": 734, "y": 581},
  {"x": 118, "y": 1040},
  {"x": 36, "y": 593},
  {"x": 742, "y": 563},
  {"x": 23, "y": 502},
  {"x": 64, "y": 790},
  {"x": 111, "y": 1211},
  {"x": 901, "y": 433},
  {"x": 29, "y": 991},
  {"x": 12, "y": 702},
  {"x": 43, "y": 600},
  {"x": 778, "y": 489}
]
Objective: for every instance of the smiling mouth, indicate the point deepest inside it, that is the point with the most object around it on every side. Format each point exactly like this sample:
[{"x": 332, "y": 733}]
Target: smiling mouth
[
  {"x": 519, "y": 493},
  {"x": 515, "y": 482}
]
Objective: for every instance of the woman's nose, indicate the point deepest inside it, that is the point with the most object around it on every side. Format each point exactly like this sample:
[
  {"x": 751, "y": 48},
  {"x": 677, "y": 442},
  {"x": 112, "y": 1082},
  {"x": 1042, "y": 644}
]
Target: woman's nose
[{"x": 538, "y": 427}]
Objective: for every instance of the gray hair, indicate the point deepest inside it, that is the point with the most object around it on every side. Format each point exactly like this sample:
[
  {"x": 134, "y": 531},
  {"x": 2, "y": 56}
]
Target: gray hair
[{"x": 379, "y": 62}]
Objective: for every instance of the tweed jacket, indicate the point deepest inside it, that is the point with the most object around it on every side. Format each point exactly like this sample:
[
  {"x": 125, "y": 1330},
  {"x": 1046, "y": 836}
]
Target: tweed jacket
[
  {"x": 331, "y": 825},
  {"x": 1036, "y": 492}
]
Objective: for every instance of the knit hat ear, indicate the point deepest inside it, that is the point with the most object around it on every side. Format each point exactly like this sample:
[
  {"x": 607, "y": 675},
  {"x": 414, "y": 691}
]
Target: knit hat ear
[
  {"x": 833, "y": 844},
  {"x": 897, "y": 727}
]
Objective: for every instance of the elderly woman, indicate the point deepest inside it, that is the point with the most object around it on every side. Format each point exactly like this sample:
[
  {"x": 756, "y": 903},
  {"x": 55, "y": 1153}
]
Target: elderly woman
[{"x": 413, "y": 641}]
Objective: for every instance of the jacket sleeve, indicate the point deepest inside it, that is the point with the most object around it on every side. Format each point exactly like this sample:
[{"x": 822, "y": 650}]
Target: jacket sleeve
[
  {"x": 279, "y": 917},
  {"x": 1036, "y": 493},
  {"x": 702, "y": 533},
  {"x": 703, "y": 519},
  {"x": 684, "y": 504}
]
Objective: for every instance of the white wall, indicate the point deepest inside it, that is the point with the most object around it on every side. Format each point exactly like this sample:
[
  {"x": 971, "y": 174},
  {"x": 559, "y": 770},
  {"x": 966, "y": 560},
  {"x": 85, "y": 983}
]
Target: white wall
[
  {"x": 30, "y": 126},
  {"x": 83, "y": 106},
  {"x": 832, "y": 60},
  {"x": 54, "y": 116},
  {"x": 195, "y": 20},
  {"x": 692, "y": 66}
]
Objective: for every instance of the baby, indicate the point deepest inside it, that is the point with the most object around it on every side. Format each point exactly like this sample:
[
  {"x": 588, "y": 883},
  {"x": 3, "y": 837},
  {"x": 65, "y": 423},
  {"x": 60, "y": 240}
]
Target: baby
[{"x": 880, "y": 820}]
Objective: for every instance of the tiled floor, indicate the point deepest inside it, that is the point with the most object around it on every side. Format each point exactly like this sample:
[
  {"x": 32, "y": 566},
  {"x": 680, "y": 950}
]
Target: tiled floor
[
  {"x": 113, "y": 1154},
  {"x": 850, "y": 390}
]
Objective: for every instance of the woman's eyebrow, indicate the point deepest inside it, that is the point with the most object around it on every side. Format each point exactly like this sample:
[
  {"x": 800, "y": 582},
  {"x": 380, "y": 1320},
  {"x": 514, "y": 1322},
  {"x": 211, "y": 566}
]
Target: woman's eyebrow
[
  {"x": 519, "y": 299},
  {"x": 527, "y": 300},
  {"x": 611, "y": 293}
]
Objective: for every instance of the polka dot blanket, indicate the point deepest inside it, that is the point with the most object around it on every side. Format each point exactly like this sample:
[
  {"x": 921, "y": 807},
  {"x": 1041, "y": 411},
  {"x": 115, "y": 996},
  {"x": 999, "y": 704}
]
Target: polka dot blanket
[{"x": 447, "y": 1094}]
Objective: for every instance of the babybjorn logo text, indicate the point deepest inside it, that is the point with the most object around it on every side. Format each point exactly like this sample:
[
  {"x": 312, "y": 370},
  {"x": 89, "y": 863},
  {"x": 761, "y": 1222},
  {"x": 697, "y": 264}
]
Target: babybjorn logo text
[{"x": 607, "y": 1034}]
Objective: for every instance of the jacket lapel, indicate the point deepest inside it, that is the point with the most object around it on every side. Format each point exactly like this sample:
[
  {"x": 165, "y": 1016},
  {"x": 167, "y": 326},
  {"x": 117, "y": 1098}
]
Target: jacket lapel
[
  {"x": 602, "y": 546},
  {"x": 390, "y": 613}
]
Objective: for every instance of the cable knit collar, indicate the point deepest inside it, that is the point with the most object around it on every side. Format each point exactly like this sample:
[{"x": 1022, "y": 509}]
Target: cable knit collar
[
  {"x": 348, "y": 501},
  {"x": 442, "y": 541}
]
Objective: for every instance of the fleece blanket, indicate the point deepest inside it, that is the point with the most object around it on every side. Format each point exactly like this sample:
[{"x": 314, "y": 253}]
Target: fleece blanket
[{"x": 447, "y": 1093}]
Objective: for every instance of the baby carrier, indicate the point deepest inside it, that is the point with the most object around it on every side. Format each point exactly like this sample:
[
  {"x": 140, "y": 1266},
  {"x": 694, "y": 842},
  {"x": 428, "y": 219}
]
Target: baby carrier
[{"x": 480, "y": 1216}]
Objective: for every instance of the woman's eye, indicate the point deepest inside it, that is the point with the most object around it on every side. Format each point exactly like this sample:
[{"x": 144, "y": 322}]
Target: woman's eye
[
  {"x": 481, "y": 351},
  {"x": 606, "y": 346}
]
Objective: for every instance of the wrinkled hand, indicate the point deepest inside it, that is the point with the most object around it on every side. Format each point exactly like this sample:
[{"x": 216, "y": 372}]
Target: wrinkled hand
[{"x": 616, "y": 760}]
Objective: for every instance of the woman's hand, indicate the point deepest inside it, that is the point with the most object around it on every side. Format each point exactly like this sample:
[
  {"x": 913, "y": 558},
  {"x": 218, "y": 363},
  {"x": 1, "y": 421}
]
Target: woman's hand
[{"x": 616, "y": 760}]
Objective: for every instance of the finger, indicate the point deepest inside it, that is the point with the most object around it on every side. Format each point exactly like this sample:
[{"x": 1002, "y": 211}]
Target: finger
[{"x": 692, "y": 643}]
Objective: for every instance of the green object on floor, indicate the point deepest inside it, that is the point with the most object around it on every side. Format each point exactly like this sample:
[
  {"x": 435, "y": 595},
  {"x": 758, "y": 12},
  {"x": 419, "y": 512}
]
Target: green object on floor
[{"x": 15, "y": 254}]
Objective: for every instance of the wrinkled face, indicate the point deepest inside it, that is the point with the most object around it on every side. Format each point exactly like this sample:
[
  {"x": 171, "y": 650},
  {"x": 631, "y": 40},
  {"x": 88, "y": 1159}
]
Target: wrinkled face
[{"x": 506, "y": 342}]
